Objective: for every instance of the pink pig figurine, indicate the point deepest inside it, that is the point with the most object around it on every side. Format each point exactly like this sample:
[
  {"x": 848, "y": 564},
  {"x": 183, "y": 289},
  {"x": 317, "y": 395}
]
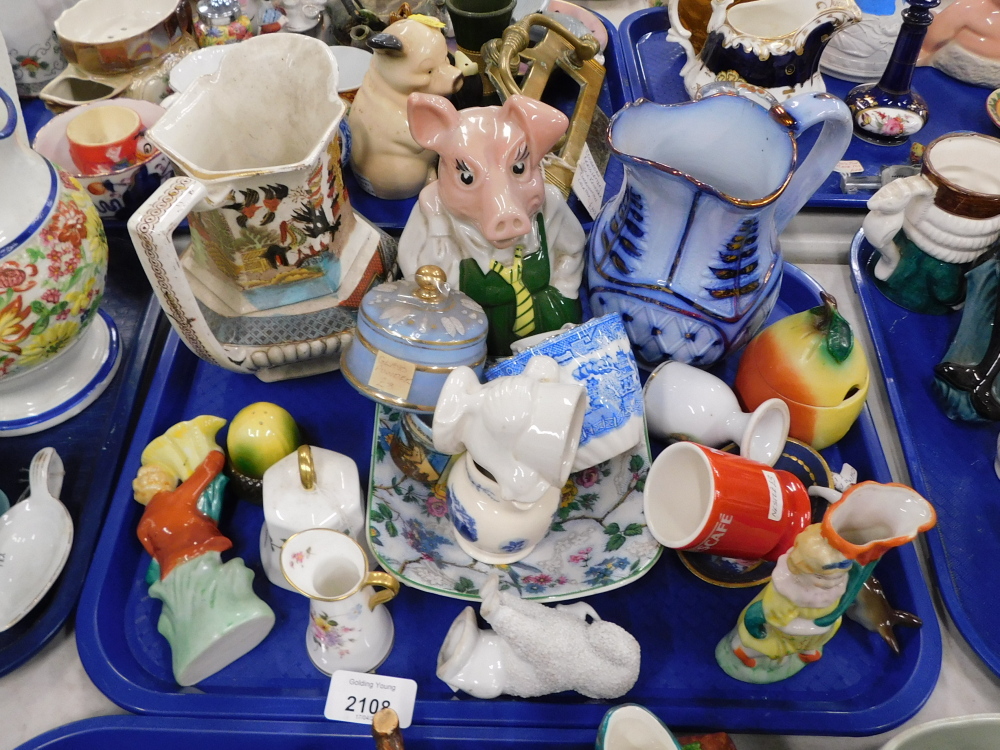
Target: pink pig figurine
[
  {"x": 490, "y": 221},
  {"x": 410, "y": 55}
]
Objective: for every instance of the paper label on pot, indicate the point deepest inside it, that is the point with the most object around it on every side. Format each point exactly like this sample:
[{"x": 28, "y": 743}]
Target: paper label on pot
[
  {"x": 776, "y": 502},
  {"x": 588, "y": 183},
  {"x": 357, "y": 696},
  {"x": 392, "y": 375}
]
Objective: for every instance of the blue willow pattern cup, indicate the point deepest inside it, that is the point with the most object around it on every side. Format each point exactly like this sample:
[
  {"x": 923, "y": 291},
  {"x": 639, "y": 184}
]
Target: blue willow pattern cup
[{"x": 598, "y": 356}]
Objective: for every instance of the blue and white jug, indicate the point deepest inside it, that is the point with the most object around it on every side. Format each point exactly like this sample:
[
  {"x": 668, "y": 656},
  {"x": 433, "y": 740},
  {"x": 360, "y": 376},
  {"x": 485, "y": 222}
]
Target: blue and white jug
[{"x": 687, "y": 252}]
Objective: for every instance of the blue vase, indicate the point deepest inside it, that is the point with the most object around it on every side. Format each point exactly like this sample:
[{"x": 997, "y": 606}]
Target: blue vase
[{"x": 887, "y": 113}]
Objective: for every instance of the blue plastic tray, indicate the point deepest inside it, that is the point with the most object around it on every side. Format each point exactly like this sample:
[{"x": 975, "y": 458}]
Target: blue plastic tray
[
  {"x": 652, "y": 66},
  {"x": 677, "y": 618},
  {"x": 950, "y": 463},
  {"x": 392, "y": 215},
  {"x": 90, "y": 444},
  {"x": 199, "y": 734}
]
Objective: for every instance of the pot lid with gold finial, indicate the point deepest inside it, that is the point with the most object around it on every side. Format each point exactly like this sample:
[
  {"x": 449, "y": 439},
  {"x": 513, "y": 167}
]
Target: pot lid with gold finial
[{"x": 424, "y": 312}]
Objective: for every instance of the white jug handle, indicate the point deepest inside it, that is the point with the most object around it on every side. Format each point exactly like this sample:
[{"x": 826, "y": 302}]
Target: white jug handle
[
  {"x": 803, "y": 112},
  {"x": 152, "y": 229},
  {"x": 824, "y": 493},
  {"x": 679, "y": 34}
]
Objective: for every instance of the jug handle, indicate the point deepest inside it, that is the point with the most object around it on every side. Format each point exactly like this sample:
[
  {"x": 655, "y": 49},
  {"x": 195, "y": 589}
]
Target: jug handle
[
  {"x": 152, "y": 229},
  {"x": 799, "y": 114},
  {"x": 388, "y": 584},
  {"x": 680, "y": 34},
  {"x": 10, "y": 125}
]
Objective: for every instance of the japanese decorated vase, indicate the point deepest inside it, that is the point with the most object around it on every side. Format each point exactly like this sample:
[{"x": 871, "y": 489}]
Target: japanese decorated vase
[
  {"x": 53, "y": 258},
  {"x": 687, "y": 252}
]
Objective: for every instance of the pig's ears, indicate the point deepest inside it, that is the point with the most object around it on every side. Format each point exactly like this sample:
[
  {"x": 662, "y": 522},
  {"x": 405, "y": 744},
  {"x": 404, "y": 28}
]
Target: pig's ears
[
  {"x": 431, "y": 118},
  {"x": 386, "y": 43},
  {"x": 543, "y": 125}
]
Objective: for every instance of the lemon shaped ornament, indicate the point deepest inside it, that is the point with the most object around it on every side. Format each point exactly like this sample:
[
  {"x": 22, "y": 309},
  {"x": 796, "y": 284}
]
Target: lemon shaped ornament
[
  {"x": 259, "y": 435},
  {"x": 812, "y": 362}
]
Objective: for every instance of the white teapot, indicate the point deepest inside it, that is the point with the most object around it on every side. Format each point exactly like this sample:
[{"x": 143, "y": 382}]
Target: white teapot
[{"x": 312, "y": 488}]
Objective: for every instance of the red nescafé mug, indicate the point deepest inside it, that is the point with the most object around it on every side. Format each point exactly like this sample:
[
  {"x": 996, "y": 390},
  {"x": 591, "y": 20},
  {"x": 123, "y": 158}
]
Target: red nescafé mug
[{"x": 700, "y": 499}]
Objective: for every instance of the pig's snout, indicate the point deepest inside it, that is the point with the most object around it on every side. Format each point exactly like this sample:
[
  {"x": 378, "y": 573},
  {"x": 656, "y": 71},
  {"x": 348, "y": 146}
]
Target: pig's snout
[
  {"x": 509, "y": 222},
  {"x": 446, "y": 81},
  {"x": 510, "y": 227}
]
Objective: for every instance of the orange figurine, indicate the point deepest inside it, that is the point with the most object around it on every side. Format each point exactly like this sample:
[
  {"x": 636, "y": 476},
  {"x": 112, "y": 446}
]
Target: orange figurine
[
  {"x": 173, "y": 530},
  {"x": 210, "y": 615}
]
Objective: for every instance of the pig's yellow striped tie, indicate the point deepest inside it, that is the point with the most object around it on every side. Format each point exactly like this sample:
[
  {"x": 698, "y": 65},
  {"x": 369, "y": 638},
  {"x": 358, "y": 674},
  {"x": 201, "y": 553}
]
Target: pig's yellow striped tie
[{"x": 524, "y": 310}]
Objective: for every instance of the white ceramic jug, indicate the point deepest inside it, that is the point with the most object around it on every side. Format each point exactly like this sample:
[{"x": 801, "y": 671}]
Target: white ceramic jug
[
  {"x": 520, "y": 434},
  {"x": 348, "y": 626},
  {"x": 279, "y": 260}
]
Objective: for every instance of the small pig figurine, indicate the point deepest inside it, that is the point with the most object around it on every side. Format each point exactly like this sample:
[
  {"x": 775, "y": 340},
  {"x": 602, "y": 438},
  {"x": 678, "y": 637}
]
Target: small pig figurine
[
  {"x": 410, "y": 55},
  {"x": 490, "y": 221}
]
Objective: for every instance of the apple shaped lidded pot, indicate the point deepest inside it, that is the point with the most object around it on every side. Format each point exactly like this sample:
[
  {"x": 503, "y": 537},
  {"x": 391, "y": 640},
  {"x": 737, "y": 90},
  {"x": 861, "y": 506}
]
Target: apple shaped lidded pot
[
  {"x": 411, "y": 334},
  {"x": 810, "y": 361},
  {"x": 53, "y": 260}
]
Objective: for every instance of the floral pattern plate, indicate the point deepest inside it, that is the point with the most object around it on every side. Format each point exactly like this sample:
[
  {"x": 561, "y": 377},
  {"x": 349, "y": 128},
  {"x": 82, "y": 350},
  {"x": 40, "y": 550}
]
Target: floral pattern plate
[{"x": 598, "y": 540}]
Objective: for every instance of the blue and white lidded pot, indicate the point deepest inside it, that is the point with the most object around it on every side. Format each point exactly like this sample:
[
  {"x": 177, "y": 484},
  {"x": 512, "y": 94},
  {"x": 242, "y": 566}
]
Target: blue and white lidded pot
[{"x": 411, "y": 334}]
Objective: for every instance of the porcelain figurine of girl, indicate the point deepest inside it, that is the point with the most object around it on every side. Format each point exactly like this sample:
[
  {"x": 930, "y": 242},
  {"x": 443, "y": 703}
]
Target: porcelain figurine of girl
[
  {"x": 787, "y": 625},
  {"x": 778, "y": 634},
  {"x": 490, "y": 221},
  {"x": 210, "y": 614}
]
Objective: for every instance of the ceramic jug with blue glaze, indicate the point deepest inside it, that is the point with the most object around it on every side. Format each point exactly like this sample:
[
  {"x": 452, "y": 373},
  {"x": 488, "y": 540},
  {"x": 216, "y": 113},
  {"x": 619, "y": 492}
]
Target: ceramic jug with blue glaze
[{"x": 687, "y": 252}]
